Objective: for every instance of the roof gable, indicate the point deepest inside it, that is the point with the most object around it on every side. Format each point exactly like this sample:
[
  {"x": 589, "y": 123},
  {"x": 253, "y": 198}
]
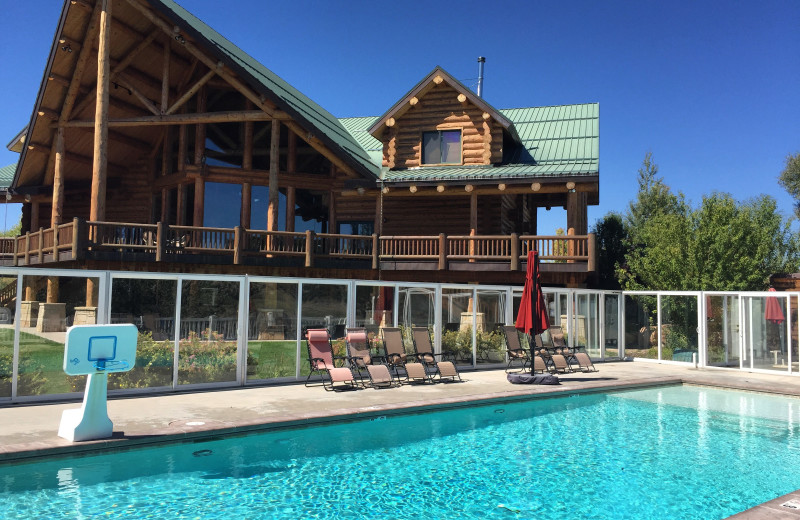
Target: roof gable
[{"x": 437, "y": 76}]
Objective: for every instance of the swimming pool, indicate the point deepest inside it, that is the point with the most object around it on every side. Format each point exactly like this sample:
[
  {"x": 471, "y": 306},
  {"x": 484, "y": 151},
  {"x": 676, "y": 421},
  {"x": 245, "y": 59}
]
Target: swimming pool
[{"x": 667, "y": 452}]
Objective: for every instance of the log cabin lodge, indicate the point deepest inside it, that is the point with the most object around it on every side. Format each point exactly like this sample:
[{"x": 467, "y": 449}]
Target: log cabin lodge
[{"x": 157, "y": 145}]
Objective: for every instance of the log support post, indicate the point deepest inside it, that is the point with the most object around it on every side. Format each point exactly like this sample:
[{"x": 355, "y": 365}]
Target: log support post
[
  {"x": 160, "y": 241},
  {"x": 57, "y": 211},
  {"x": 100, "y": 160},
  {"x": 442, "y": 252},
  {"x": 238, "y": 238},
  {"x": 514, "y": 252}
]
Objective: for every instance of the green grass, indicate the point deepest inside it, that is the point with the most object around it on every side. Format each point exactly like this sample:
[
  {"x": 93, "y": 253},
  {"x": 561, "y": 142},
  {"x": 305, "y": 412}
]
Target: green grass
[{"x": 273, "y": 359}]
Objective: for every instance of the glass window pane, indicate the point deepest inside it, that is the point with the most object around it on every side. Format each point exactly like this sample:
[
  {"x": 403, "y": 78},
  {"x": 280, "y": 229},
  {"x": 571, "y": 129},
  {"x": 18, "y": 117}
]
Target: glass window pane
[
  {"x": 640, "y": 326},
  {"x": 611, "y": 325},
  {"x": 8, "y": 292},
  {"x": 324, "y": 307},
  {"x": 208, "y": 332},
  {"x": 679, "y": 337},
  {"x": 222, "y": 205},
  {"x": 49, "y": 306},
  {"x": 722, "y": 326},
  {"x": 490, "y": 317},
  {"x": 272, "y": 338},
  {"x": 431, "y": 148},
  {"x": 451, "y": 147},
  {"x": 457, "y": 315},
  {"x": 765, "y": 333},
  {"x": 374, "y": 310},
  {"x": 150, "y": 305}
]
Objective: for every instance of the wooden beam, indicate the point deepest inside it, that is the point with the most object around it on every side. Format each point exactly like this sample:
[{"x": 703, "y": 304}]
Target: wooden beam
[
  {"x": 57, "y": 210},
  {"x": 100, "y": 164},
  {"x": 191, "y": 92},
  {"x": 291, "y": 202},
  {"x": 243, "y": 88},
  {"x": 86, "y": 51},
  {"x": 200, "y": 128},
  {"x": 165, "y": 77},
  {"x": 274, "y": 165},
  {"x": 180, "y": 119},
  {"x": 125, "y": 82},
  {"x": 199, "y": 199},
  {"x": 247, "y": 195},
  {"x": 319, "y": 146}
]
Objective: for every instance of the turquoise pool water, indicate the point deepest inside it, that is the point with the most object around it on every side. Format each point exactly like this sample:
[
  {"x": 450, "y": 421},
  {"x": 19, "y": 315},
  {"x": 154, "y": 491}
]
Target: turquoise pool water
[{"x": 665, "y": 453}]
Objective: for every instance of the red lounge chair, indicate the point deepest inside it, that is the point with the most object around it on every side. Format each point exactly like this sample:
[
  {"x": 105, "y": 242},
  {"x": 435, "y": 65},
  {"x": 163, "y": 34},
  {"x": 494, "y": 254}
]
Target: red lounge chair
[
  {"x": 361, "y": 360},
  {"x": 323, "y": 362}
]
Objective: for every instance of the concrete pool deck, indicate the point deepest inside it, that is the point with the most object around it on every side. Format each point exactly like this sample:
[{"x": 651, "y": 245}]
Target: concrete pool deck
[{"x": 30, "y": 430}]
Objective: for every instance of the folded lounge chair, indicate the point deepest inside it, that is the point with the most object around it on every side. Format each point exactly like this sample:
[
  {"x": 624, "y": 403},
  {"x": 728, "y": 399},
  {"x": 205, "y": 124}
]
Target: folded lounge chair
[
  {"x": 425, "y": 355},
  {"x": 517, "y": 355},
  {"x": 322, "y": 362},
  {"x": 397, "y": 358},
  {"x": 361, "y": 360}
]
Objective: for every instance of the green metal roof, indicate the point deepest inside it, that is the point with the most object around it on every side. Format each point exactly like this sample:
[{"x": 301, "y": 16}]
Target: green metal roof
[
  {"x": 273, "y": 87},
  {"x": 7, "y": 175},
  {"x": 557, "y": 141}
]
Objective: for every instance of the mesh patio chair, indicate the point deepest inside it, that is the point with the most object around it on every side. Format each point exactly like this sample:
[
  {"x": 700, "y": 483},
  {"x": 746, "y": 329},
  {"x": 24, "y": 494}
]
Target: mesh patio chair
[
  {"x": 396, "y": 357},
  {"x": 584, "y": 362},
  {"x": 517, "y": 354},
  {"x": 322, "y": 362},
  {"x": 362, "y": 361},
  {"x": 423, "y": 348}
]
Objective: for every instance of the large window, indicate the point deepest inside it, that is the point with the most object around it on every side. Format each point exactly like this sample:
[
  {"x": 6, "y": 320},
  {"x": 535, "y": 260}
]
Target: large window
[{"x": 441, "y": 147}]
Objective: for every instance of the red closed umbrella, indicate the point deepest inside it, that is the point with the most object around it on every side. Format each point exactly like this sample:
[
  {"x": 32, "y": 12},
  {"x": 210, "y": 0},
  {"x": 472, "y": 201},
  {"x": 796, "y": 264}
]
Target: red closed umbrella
[
  {"x": 773, "y": 312},
  {"x": 532, "y": 316}
]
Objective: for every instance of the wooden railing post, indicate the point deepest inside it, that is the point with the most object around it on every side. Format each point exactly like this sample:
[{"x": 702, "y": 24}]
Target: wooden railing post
[
  {"x": 591, "y": 248},
  {"x": 27, "y": 248},
  {"x": 78, "y": 238},
  {"x": 238, "y": 235},
  {"x": 16, "y": 251},
  {"x": 571, "y": 244},
  {"x": 309, "y": 248},
  {"x": 160, "y": 241},
  {"x": 442, "y": 252},
  {"x": 376, "y": 251},
  {"x": 514, "y": 252},
  {"x": 41, "y": 246}
]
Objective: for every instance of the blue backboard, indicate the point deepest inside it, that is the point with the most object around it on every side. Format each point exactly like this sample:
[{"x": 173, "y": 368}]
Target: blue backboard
[{"x": 90, "y": 349}]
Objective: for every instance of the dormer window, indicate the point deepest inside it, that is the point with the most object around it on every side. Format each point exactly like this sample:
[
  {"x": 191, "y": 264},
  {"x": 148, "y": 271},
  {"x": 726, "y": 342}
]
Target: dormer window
[{"x": 441, "y": 147}]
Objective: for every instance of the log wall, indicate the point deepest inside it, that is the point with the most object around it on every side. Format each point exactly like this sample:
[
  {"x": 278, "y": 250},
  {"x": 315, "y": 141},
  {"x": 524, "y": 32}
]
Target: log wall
[{"x": 440, "y": 109}]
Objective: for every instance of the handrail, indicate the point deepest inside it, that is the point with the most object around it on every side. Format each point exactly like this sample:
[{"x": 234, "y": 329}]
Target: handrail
[{"x": 158, "y": 239}]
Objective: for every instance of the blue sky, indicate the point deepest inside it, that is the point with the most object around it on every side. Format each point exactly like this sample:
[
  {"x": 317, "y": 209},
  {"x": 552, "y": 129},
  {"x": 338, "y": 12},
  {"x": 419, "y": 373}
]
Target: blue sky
[{"x": 710, "y": 87}]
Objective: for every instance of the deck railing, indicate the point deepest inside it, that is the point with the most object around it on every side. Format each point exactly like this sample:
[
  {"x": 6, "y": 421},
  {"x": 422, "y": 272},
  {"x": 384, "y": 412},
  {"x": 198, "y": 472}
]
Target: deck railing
[{"x": 78, "y": 238}]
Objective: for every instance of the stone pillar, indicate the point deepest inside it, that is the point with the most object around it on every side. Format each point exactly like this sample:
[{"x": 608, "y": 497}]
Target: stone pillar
[{"x": 52, "y": 317}]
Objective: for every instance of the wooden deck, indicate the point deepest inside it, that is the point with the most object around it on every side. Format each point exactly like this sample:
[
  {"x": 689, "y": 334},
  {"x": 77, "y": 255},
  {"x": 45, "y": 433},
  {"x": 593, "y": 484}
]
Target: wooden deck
[{"x": 116, "y": 241}]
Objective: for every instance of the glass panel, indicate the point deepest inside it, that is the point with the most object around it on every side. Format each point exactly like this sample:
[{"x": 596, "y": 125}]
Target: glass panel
[
  {"x": 766, "y": 332},
  {"x": 324, "y": 307},
  {"x": 417, "y": 309},
  {"x": 679, "y": 339},
  {"x": 374, "y": 308},
  {"x": 587, "y": 326},
  {"x": 49, "y": 306},
  {"x": 722, "y": 326},
  {"x": 272, "y": 335},
  {"x": 431, "y": 148},
  {"x": 451, "y": 147},
  {"x": 365, "y": 228},
  {"x": 640, "y": 328},
  {"x": 611, "y": 325},
  {"x": 457, "y": 315},
  {"x": 8, "y": 293},
  {"x": 223, "y": 145},
  {"x": 222, "y": 205},
  {"x": 208, "y": 332},
  {"x": 150, "y": 305},
  {"x": 491, "y": 312}
]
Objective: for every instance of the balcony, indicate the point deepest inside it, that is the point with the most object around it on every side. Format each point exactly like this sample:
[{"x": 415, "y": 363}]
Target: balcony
[{"x": 130, "y": 242}]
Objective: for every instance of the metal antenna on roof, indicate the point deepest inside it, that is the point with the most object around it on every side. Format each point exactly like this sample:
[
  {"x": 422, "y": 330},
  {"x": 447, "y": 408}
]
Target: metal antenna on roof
[{"x": 481, "y": 61}]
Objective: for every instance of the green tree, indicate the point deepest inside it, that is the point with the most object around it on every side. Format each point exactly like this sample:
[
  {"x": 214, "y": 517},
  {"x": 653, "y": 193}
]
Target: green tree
[
  {"x": 790, "y": 179},
  {"x": 721, "y": 245},
  {"x": 611, "y": 237}
]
